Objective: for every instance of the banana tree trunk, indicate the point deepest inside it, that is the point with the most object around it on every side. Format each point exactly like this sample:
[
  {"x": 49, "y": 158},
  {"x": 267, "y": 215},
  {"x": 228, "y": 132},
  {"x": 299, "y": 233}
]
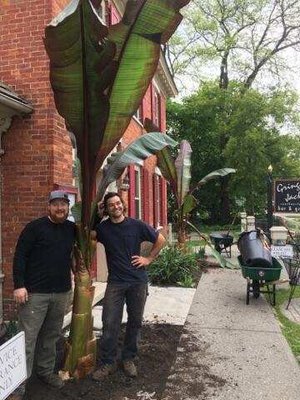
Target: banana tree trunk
[
  {"x": 81, "y": 345},
  {"x": 181, "y": 232}
]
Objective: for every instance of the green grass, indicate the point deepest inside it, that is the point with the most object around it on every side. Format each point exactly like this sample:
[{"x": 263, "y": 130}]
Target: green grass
[{"x": 291, "y": 330}]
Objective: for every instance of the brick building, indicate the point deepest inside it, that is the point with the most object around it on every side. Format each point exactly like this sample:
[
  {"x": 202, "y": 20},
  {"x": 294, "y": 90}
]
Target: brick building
[{"x": 36, "y": 150}]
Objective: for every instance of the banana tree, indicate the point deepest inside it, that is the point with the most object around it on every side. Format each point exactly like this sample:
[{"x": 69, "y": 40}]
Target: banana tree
[
  {"x": 178, "y": 173},
  {"x": 99, "y": 76}
]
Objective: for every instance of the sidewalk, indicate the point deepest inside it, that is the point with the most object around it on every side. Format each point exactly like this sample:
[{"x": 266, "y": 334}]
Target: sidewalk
[{"x": 230, "y": 350}]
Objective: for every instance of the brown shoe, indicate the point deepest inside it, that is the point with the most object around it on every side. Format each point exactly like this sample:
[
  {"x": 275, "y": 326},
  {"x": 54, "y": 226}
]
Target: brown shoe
[
  {"x": 52, "y": 380},
  {"x": 104, "y": 371},
  {"x": 18, "y": 394},
  {"x": 15, "y": 396},
  {"x": 130, "y": 368}
]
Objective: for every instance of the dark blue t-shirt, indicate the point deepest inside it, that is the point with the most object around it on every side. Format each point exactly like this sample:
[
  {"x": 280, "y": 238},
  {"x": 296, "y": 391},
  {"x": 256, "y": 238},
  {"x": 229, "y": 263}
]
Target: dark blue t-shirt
[{"x": 122, "y": 241}]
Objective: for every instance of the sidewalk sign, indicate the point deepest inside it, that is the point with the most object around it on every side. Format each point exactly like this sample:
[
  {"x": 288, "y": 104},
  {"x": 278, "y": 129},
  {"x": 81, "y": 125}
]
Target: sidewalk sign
[
  {"x": 282, "y": 251},
  {"x": 12, "y": 365}
]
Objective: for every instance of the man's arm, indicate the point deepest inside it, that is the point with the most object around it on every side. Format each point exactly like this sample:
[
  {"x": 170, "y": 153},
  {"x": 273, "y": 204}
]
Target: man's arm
[
  {"x": 140, "y": 261},
  {"x": 23, "y": 249}
]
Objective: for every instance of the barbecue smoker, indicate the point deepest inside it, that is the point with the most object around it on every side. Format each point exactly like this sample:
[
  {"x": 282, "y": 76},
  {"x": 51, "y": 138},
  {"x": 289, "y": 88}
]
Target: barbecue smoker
[
  {"x": 259, "y": 268},
  {"x": 222, "y": 242}
]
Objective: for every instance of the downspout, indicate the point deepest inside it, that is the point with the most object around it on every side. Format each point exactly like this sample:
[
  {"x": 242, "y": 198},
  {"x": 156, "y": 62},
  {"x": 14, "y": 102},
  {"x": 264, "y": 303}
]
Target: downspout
[{"x": 4, "y": 125}]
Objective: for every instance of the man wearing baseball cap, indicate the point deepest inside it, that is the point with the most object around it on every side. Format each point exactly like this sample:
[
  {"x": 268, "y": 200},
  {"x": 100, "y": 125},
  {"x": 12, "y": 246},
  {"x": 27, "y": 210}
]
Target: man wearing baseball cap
[{"x": 42, "y": 283}]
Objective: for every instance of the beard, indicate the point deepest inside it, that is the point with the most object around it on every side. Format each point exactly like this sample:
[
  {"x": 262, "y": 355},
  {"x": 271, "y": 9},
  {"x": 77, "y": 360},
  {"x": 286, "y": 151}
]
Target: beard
[{"x": 58, "y": 218}]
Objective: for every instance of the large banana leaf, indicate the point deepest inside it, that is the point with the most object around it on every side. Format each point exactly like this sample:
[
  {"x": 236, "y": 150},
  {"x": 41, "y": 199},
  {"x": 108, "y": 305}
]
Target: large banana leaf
[
  {"x": 146, "y": 25},
  {"x": 81, "y": 69},
  {"x": 135, "y": 153},
  {"x": 183, "y": 168},
  {"x": 166, "y": 164},
  {"x": 165, "y": 161},
  {"x": 212, "y": 175}
]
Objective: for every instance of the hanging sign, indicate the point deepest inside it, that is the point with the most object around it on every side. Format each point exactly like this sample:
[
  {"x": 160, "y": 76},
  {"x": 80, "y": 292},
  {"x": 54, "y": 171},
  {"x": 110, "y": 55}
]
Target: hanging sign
[{"x": 287, "y": 196}]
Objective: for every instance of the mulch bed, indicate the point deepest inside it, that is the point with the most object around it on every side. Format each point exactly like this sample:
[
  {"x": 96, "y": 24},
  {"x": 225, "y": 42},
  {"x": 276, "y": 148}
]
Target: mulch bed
[{"x": 157, "y": 352}]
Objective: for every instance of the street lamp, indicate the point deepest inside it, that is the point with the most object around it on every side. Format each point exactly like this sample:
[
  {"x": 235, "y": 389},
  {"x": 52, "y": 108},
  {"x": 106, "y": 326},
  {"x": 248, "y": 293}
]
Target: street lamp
[{"x": 269, "y": 198}]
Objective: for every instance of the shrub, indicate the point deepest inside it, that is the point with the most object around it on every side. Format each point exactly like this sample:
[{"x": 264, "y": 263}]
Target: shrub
[{"x": 174, "y": 267}]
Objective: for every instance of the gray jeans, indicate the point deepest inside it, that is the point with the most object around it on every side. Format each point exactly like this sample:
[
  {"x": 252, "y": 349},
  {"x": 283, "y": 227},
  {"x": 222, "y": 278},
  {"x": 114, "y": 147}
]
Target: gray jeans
[{"x": 41, "y": 318}]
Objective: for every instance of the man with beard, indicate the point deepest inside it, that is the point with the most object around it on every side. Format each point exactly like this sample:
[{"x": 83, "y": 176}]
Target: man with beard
[
  {"x": 42, "y": 283},
  {"x": 127, "y": 282}
]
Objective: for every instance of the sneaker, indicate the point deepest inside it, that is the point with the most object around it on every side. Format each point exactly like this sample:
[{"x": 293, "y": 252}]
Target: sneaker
[
  {"x": 130, "y": 368},
  {"x": 104, "y": 371},
  {"x": 52, "y": 380}
]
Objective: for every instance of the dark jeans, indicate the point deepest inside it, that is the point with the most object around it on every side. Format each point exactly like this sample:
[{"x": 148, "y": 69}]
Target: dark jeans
[{"x": 134, "y": 296}]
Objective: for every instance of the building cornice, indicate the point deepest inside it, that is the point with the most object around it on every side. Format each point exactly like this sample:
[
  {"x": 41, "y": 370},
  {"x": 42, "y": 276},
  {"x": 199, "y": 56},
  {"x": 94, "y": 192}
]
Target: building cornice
[
  {"x": 10, "y": 105},
  {"x": 165, "y": 78}
]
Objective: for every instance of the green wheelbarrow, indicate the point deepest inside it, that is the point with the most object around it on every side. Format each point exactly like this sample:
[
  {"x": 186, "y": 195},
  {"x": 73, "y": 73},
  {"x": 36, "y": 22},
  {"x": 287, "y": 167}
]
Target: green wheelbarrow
[{"x": 259, "y": 278}]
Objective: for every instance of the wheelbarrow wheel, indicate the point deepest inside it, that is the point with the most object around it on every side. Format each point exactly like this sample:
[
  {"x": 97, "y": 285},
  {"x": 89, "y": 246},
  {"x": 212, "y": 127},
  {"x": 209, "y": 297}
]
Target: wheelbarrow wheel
[{"x": 255, "y": 289}]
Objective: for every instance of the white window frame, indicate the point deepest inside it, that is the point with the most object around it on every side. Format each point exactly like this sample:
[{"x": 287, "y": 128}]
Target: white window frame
[
  {"x": 138, "y": 192},
  {"x": 158, "y": 199}
]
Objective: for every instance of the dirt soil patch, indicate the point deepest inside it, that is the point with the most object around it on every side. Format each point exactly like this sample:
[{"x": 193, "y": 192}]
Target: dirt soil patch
[{"x": 157, "y": 352}]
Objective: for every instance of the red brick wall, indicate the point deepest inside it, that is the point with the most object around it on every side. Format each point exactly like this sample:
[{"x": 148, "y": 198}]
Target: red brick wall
[{"x": 37, "y": 147}]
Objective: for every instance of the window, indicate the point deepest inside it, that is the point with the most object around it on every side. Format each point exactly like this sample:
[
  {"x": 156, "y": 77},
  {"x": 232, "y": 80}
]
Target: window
[
  {"x": 138, "y": 192},
  {"x": 139, "y": 114}
]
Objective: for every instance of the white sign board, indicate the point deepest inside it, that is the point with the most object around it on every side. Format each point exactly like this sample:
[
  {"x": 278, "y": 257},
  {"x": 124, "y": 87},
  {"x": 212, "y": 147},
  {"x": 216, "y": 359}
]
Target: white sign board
[
  {"x": 12, "y": 365},
  {"x": 282, "y": 251}
]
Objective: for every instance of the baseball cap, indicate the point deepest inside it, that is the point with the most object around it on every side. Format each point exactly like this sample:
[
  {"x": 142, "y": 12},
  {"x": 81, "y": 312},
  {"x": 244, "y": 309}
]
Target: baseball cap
[{"x": 58, "y": 194}]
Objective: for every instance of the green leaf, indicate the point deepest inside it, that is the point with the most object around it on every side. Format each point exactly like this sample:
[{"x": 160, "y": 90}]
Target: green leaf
[
  {"x": 189, "y": 203},
  {"x": 138, "y": 150},
  {"x": 135, "y": 152},
  {"x": 81, "y": 69},
  {"x": 166, "y": 164},
  {"x": 146, "y": 25},
  {"x": 165, "y": 160},
  {"x": 215, "y": 174}
]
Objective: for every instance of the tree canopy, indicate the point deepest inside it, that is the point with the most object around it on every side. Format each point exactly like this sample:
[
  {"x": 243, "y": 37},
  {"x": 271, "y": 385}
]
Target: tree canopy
[
  {"x": 247, "y": 131},
  {"x": 241, "y": 39}
]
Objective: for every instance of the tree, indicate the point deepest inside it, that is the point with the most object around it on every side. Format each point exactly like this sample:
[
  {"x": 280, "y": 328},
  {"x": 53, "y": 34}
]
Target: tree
[
  {"x": 242, "y": 38},
  {"x": 99, "y": 76},
  {"x": 238, "y": 39},
  {"x": 252, "y": 125}
]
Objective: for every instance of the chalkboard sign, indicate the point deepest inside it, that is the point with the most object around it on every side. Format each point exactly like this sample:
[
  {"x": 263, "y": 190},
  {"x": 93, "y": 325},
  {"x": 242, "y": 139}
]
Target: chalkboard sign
[{"x": 287, "y": 196}]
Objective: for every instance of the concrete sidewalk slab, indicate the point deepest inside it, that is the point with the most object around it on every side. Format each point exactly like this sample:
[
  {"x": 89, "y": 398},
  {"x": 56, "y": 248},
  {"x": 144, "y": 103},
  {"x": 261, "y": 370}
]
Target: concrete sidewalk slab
[
  {"x": 229, "y": 350},
  {"x": 164, "y": 305}
]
